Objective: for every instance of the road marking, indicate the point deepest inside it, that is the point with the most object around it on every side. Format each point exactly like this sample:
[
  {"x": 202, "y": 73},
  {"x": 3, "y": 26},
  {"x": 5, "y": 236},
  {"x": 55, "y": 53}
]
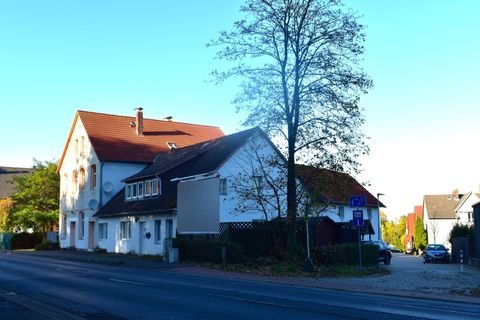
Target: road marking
[
  {"x": 250, "y": 300},
  {"x": 130, "y": 282}
]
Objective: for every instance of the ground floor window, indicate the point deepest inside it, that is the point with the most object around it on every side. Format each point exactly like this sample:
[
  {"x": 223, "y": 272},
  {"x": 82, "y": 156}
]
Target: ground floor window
[
  {"x": 63, "y": 226},
  {"x": 169, "y": 228},
  {"x": 125, "y": 230},
  {"x": 158, "y": 231},
  {"x": 81, "y": 225},
  {"x": 102, "y": 231}
]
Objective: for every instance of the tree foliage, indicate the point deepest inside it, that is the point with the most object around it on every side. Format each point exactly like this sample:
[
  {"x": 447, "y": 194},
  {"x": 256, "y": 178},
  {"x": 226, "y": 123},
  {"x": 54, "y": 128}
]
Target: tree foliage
[
  {"x": 461, "y": 231},
  {"x": 301, "y": 81},
  {"x": 420, "y": 235},
  {"x": 5, "y": 206},
  {"x": 394, "y": 232},
  {"x": 37, "y": 199}
]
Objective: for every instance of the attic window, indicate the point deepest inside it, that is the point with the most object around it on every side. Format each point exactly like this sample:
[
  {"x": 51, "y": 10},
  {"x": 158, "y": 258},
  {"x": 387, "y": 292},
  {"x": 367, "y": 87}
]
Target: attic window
[{"x": 171, "y": 145}]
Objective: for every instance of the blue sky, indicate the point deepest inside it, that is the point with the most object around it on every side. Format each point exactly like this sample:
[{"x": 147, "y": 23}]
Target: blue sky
[{"x": 112, "y": 56}]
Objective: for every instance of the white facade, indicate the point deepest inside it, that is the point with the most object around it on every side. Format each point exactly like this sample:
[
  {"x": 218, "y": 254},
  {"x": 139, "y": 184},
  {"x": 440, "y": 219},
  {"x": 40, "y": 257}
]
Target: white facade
[
  {"x": 146, "y": 234},
  {"x": 464, "y": 212},
  {"x": 85, "y": 185},
  {"x": 438, "y": 230},
  {"x": 240, "y": 204}
]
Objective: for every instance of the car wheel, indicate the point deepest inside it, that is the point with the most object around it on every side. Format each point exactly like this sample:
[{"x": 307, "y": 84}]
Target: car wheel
[{"x": 387, "y": 260}]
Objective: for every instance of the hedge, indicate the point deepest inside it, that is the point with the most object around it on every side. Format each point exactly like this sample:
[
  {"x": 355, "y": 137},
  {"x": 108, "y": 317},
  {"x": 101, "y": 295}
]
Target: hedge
[
  {"x": 208, "y": 251},
  {"x": 25, "y": 240},
  {"x": 345, "y": 254}
]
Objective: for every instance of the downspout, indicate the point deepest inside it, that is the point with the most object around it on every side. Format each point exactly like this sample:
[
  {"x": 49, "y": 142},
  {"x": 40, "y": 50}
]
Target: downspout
[{"x": 101, "y": 186}]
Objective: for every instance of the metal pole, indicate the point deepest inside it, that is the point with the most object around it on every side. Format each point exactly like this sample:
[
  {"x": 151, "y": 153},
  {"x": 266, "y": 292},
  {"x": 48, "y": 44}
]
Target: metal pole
[
  {"x": 379, "y": 219},
  {"x": 359, "y": 247},
  {"x": 461, "y": 260}
]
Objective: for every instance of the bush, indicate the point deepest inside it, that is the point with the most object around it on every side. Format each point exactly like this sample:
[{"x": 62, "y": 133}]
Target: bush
[
  {"x": 461, "y": 231},
  {"x": 208, "y": 251},
  {"x": 345, "y": 255},
  {"x": 47, "y": 245},
  {"x": 25, "y": 240}
]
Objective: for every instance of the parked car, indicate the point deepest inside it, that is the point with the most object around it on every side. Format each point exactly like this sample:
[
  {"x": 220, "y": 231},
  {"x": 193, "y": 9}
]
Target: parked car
[
  {"x": 436, "y": 252},
  {"x": 384, "y": 253}
]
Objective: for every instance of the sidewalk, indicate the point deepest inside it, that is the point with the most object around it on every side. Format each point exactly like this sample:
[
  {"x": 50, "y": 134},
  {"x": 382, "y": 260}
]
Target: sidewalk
[{"x": 446, "y": 283}]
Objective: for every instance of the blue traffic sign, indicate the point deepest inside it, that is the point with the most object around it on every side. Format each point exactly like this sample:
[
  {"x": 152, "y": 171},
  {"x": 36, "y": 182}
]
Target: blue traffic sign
[
  {"x": 357, "y": 201},
  {"x": 358, "y": 218}
]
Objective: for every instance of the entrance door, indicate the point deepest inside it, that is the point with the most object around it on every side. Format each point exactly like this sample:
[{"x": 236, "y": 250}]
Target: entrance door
[
  {"x": 91, "y": 235},
  {"x": 141, "y": 236},
  {"x": 72, "y": 234}
]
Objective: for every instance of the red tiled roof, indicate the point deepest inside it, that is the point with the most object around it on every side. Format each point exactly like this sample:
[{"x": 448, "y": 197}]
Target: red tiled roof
[
  {"x": 336, "y": 186},
  {"x": 113, "y": 139}
]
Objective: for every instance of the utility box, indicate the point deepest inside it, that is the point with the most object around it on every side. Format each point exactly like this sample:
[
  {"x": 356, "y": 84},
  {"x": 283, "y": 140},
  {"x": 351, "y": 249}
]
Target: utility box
[{"x": 173, "y": 255}]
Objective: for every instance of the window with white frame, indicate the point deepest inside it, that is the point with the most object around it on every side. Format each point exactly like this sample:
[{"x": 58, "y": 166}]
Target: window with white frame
[
  {"x": 81, "y": 225},
  {"x": 140, "y": 190},
  {"x": 158, "y": 231},
  {"x": 125, "y": 230},
  {"x": 134, "y": 190},
  {"x": 258, "y": 184},
  {"x": 65, "y": 185},
  {"x": 63, "y": 226},
  {"x": 76, "y": 147},
  {"x": 156, "y": 187},
  {"x": 93, "y": 176},
  {"x": 81, "y": 184},
  {"x": 128, "y": 192},
  {"x": 369, "y": 214},
  {"x": 103, "y": 231},
  {"x": 74, "y": 182},
  {"x": 223, "y": 186},
  {"x": 148, "y": 188}
]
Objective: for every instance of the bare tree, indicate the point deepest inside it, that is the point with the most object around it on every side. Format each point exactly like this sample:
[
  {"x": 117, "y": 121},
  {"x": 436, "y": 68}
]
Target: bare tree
[{"x": 298, "y": 60}]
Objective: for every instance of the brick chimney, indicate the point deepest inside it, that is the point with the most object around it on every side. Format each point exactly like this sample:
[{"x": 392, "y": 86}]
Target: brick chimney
[{"x": 139, "y": 121}]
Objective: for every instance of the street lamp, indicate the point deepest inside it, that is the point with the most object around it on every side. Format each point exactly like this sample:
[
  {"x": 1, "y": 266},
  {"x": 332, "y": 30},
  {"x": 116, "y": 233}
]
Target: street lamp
[{"x": 379, "y": 222}]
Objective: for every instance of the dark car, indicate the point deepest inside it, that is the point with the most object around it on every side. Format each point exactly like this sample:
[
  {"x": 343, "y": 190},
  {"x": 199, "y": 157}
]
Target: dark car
[
  {"x": 384, "y": 253},
  {"x": 436, "y": 252}
]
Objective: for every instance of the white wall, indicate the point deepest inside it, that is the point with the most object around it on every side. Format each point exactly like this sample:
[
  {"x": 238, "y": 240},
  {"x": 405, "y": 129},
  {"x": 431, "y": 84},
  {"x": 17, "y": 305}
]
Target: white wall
[
  {"x": 465, "y": 212},
  {"x": 238, "y": 170},
  {"x": 72, "y": 199},
  {"x": 150, "y": 246},
  {"x": 113, "y": 173}
]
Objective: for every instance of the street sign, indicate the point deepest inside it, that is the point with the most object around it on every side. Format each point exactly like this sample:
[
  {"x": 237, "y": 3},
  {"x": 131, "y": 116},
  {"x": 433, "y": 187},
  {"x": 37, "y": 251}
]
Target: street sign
[
  {"x": 357, "y": 201},
  {"x": 358, "y": 218}
]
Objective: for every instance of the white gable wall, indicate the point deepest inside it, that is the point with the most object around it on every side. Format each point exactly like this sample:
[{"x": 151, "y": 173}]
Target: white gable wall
[
  {"x": 239, "y": 170},
  {"x": 465, "y": 212},
  {"x": 74, "y": 201}
]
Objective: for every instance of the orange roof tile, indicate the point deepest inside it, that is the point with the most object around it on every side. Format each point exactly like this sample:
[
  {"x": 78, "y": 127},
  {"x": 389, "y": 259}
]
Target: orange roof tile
[{"x": 113, "y": 139}]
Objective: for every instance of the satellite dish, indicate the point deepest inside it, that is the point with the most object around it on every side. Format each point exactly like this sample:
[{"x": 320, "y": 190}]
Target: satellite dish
[
  {"x": 92, "y": 204},
  {"x": 108, "y": 187}
]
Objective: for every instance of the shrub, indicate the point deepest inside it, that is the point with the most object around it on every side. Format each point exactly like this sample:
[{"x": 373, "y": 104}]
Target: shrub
[
  {"x": 208, "y": 251},
  {"x": 345, "y": 255},
  {"x": 461, "y": 231},
  {"x": 25, "y": 240},
  {"x": 46, "y": 245}
]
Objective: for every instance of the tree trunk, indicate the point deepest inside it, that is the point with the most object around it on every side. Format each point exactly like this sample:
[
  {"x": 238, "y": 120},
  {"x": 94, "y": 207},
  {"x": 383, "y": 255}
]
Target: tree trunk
[{"x": 291, "y": 221}]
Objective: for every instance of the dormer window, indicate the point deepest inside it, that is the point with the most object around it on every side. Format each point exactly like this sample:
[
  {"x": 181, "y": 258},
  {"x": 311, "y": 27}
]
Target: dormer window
[
  {"x": 171, "y": 145},
  {"x": 142, "y": 189}
]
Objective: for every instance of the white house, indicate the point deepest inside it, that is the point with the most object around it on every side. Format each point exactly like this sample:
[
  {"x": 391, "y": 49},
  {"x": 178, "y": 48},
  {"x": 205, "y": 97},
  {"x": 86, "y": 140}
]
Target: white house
[
  {"x": 102, "y": 150},
  {"x": 439, "y": 216},
  {"x": 191, "y": 190},
  {"x": 442, "y": 212},
  {"x": 330, "y": 192}
]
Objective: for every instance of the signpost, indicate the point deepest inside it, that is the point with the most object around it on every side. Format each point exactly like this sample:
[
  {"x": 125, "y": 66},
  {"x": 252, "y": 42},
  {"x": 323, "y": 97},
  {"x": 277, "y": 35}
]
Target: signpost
[{"x": 358, "y": 202}]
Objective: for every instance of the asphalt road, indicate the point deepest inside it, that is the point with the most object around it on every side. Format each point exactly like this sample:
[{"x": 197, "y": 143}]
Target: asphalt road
[{"x": 76, "y": 290}]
